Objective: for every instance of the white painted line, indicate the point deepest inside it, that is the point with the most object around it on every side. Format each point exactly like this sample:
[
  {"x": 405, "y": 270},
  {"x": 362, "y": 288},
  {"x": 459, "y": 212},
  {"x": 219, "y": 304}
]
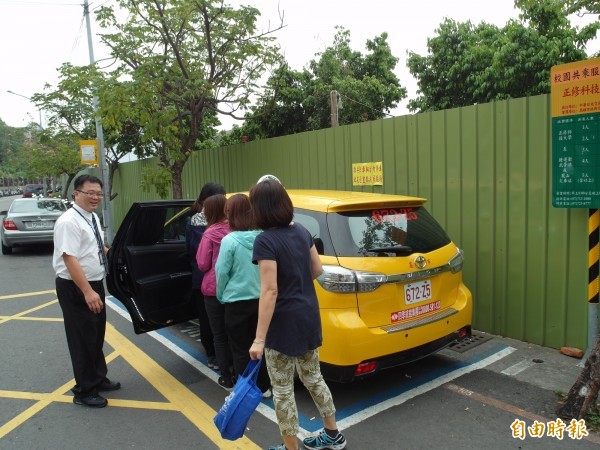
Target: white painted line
[
  {"x": 518, "y": 367},
  {"x": 209, "y": 373},
  {"x": 350, "y": 420},
  {"x": 422, "y": 389}
]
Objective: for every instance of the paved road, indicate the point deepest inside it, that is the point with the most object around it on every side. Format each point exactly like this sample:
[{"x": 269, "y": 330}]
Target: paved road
[{"x": 467, "y": 397}]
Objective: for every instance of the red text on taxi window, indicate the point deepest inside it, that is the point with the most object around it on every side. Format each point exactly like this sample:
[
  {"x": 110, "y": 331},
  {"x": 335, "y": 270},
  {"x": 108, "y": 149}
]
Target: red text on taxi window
[{"x": 389, "y": 215}]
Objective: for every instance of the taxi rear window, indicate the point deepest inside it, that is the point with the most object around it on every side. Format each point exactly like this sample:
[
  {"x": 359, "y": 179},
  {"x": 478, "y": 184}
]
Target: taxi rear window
[{"x": 385, "y": 232}]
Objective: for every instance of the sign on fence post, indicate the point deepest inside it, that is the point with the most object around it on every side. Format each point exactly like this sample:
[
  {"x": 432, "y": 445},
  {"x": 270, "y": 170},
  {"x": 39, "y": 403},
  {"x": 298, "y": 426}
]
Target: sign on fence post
[{"x": 575, "y": 94}]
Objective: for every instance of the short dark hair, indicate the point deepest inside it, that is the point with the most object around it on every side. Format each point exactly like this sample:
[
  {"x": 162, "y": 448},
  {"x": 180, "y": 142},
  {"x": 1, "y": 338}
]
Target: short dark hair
[
  {"x": 239, "y": 212},
  {"x": 209, "y": 189},
  {"x": 271, "y": 205},
  {"x": 86, "y": 178},
  {"x": 214, "y": 209}
]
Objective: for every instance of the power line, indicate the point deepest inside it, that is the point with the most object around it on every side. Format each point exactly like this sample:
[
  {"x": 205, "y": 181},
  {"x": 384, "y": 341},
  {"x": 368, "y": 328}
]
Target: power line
[
  {"x": 19, "y": 2},
  {"x": 362, "y": 104}
]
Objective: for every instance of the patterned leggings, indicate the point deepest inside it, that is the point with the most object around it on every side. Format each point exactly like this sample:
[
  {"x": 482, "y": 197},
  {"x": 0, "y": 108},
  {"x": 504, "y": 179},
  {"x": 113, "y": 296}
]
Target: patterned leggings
[{"x": 281, "y": 372}]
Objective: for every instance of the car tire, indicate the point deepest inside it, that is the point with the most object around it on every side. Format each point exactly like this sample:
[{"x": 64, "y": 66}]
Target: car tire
[{"x": 6, "y": 250}]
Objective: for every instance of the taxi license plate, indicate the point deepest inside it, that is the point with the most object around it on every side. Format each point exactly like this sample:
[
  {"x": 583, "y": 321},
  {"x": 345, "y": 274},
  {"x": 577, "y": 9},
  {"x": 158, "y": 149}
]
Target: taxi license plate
[
  {"x": 417, "y": 292},
  {"x": 40, "y": 225}
]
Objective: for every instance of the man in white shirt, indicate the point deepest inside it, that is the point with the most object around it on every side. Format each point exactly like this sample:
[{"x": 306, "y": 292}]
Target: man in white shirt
[{"x": 80, "y": 264}]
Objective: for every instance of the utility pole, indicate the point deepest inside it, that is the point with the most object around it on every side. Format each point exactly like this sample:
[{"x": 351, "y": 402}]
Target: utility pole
[
  {"x": 106, "y": 207},
  {"x": 334, "y": 109}
]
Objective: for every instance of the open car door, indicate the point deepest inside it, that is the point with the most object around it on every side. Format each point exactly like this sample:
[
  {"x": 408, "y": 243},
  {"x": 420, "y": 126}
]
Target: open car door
[{"x": 149, "y": 266}]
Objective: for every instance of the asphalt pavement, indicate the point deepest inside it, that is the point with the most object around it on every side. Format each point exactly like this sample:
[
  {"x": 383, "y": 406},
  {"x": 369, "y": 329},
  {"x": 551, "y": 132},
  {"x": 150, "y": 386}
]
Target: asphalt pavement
[{"x": 491, "y": 393}]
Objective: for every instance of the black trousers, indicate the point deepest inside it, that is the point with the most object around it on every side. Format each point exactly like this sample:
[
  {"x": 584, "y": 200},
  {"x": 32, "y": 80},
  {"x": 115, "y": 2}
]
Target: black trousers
[
  {"x": 241, "y": 318},
  {"x": 216, "y": 317},
  {"x": 85, "y": 335},
  {"x": 206, "y": 336}
]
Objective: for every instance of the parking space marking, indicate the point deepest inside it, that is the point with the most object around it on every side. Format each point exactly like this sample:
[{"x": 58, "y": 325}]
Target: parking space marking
[
  {"x": 179, "y": 397},
  {"x": 422, "y": 388},
  {"x": 43, "y": 400},
  {"x": 5, "y": 319},
  {"x": 189, "y": 404},
  {"x": 518, "y": 367},
  {"x": 27, "y": 294},
  {"x": 350, "y": 415}
]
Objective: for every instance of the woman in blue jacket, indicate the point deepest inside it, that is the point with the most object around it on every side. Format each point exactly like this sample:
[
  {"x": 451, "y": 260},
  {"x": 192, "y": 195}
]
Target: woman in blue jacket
[{"x": 238, "y": 286}]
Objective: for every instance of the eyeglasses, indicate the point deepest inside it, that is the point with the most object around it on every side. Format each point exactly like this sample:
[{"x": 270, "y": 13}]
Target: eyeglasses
[{"x": 92, "y": 193}]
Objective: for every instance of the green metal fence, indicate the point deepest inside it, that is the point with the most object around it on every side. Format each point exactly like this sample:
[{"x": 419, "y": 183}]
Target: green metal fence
[{"x": 486, "y": 172}]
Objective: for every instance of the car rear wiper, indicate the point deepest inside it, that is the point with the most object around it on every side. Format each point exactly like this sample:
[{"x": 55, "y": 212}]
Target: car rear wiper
[{"x": 397, "y": 249}]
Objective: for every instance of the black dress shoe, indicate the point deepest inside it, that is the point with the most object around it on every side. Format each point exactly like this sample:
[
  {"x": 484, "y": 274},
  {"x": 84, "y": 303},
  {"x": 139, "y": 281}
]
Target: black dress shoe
[
  {"x": 108, "y": 385},
  {"x": 93, "y": 401}
]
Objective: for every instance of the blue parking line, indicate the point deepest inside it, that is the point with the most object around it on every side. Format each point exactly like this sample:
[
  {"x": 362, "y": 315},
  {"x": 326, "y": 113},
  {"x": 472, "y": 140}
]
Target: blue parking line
[
  {"x": 312, "y": 426},
  {"x": 414, "y": 383}
]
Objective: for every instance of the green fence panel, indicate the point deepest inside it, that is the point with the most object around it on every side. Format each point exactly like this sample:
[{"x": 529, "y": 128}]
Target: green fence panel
[{"x": 486, "y": 172}]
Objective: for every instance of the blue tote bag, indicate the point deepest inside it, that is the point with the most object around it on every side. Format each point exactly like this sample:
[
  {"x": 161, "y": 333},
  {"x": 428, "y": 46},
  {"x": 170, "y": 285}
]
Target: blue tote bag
[{"x": 232, "y": 418}]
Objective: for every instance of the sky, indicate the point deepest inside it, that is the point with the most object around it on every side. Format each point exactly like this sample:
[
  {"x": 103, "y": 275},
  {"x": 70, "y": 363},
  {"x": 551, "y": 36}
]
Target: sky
[{"x": 39, "y": 35}]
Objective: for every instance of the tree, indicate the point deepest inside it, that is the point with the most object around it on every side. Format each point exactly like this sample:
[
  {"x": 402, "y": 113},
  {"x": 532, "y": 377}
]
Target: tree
[
  {"x": 11, "y": 144},
  {"x": 300, "y": 100},
  {"x": 69, "y": 109},
  {"x": 584, "y": 6},
  {"x": 583, "y": 394},
  {"x": 181, "y": 62},
  {"x": 470, "y": 64},
  {"x": 53, "y": 152}
]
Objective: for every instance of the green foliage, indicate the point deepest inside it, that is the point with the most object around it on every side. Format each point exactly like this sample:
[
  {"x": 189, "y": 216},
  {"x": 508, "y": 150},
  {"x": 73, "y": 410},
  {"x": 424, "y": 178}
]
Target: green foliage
[
  {"x": 300, "y": 100},
  {"x": 178, "y": 64},
  {"x": 470, "y": 64},
  {"x": 70, "y": 110},
  {"x": 158, "y": 178},
  {"x": 11, "y": 140},
  {"x": 55, "y": 152},
  {"x": 583, "y": 6}
]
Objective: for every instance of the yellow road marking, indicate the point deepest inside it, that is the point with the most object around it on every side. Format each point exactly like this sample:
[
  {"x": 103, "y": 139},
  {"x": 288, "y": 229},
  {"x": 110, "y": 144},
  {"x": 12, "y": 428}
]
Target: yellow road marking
[
  {"x": 34, "y": 409},
  {"x": 139, "y": 404},
  {"x": 27, "y": 294},
  {"x": 36, "y": 319},
  {"x": 179, "y": 397},
  {"x": 7, "y": 318},
  {"x": 190, "y": 405}
]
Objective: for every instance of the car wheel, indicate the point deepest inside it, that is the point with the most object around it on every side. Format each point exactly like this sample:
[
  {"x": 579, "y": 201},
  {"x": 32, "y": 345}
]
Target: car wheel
[{"x": 6, "y": 250}]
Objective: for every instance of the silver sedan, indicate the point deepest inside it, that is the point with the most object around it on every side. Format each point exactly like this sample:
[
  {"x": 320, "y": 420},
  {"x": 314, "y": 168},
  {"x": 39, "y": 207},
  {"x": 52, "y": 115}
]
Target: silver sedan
[{"x": 29, "y": 221}]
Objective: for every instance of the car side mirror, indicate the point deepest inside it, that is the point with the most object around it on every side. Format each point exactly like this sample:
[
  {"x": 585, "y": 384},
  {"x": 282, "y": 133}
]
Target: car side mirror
[{"x": 3, "y": 213}]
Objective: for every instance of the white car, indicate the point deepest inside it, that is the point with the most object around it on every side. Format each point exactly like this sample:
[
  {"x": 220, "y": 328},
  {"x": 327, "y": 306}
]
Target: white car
[{"x": 30, "y": 221}]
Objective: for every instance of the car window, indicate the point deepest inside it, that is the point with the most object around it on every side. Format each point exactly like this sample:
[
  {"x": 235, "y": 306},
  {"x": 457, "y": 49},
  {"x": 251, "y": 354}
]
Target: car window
[
  {"x": 37, "y": 207},
  {"x": 316, "y": 225},
  {"x": 175, "y": 222},
  {"x": 310, "y": 223},
  {"x": 356, "y": 233}
]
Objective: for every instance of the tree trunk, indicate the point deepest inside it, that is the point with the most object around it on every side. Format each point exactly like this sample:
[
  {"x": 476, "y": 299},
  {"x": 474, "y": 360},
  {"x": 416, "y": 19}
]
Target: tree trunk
[
  {"x": 584, "y": 393},
  {"x": 177, "y": 181}
]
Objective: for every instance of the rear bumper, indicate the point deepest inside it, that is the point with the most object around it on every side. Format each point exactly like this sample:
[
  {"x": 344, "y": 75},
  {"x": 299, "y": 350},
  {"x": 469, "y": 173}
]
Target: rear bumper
[
  {"x": 348, "y": 342},
  {"x": 346, "y": 374},
  {"x": 13, "y": 238}
]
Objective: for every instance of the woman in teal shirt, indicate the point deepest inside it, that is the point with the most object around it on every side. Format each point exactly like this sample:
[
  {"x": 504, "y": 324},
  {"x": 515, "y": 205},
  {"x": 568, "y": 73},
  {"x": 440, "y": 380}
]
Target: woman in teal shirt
[{"x": 238, "y": 286}]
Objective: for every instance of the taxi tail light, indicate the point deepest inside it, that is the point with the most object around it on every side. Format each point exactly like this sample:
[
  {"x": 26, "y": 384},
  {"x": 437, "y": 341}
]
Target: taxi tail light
[
  {"x": 340, "y": 279},
  {"x": 365, "y": 368},
  {"x": 9, "y": 225},
  {"x": 456, "y": 262}
]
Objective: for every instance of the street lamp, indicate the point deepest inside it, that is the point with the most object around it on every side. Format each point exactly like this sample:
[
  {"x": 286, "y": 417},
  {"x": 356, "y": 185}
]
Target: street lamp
[{"x": 28, "y": 98}]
